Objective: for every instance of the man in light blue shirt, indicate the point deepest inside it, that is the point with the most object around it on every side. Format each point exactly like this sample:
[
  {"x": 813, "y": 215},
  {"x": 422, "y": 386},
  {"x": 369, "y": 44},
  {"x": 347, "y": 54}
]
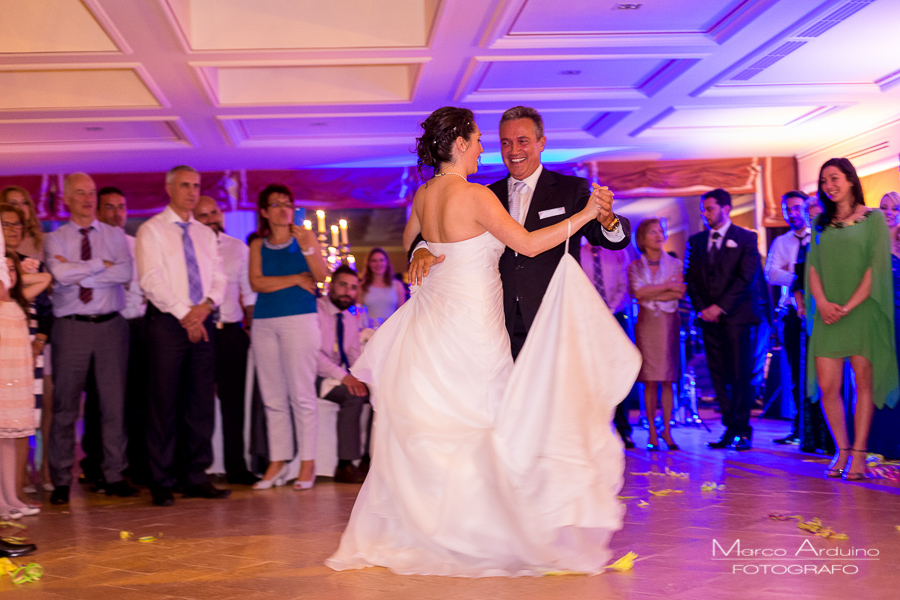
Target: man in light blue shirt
[{"x": 90, "y": 263}]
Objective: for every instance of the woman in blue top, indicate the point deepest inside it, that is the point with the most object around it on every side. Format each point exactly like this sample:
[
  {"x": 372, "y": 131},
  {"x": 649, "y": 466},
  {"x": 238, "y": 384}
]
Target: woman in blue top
[{"x": 285, "y": 334}]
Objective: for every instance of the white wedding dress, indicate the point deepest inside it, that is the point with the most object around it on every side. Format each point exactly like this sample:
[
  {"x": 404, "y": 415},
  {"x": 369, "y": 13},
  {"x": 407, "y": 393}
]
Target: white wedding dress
[{"x": 481, "y": 468}]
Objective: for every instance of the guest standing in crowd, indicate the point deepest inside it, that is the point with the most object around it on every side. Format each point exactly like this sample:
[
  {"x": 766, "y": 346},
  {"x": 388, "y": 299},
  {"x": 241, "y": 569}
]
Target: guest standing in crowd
[
  {"x": 814, "y": 433},
  {"x": 286, "y": 335},
  {"x": 40, "y": 321},
  {"x": 339, "y": 350},
  {"x": 608, "y": 271},
  {"x": 380, "y": 293},
  {"x": 890, "y": 206},
  {"x": 90, "y": 264},
  {"x": 32, "y": 246},
  {"x": 657, "y": 283},
  {"x": 884, "y": 437},
  {"x": 112, "y": 209},
  {"x": 231, "y": 340},
  {"x": 33, "y": 235},
  {"x": 722, "y": 276},
  {"x": 786, "y": 250},
  {"x": 849, "y": 279},
  {"x": 17, "y": 418},
  {"x": 182, "y": 276}
]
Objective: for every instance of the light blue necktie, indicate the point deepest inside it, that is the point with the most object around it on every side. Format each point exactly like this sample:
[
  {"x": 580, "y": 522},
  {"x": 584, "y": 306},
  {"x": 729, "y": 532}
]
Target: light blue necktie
[{"x": 195, "y": 286}]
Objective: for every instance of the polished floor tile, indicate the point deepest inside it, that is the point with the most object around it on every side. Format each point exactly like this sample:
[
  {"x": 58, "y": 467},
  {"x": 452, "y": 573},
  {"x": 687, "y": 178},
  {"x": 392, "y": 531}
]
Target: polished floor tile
[{"x": 268, "y": 545}]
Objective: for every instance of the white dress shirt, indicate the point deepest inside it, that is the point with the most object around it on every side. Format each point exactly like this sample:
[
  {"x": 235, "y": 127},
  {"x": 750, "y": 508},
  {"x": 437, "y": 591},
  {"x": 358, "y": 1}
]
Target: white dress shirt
[
  {"x": 329, "y": 360},
  {"x": 4, "y": 273},
  {"x": 238, "y": 293},
  {"x": 781, "y": 260},
  {"x": 528, "y": 191},
  {"x": 723, "y": 229},
  {"x": 614, "y": 264},
  {"x": 135, "y": 302},
  {"x": 161, "y": 264}
]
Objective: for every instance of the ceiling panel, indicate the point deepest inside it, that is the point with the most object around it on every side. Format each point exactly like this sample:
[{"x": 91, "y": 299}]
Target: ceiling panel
[
  {"x": 286, "y": 24},
  {"x": 84, "y": 131},
  {"x": 73, "y": 88},
  {"x": 568, "y": 74},
  {"x": 42, "y": 26},
  {"x": 591, "y": 16},
  {"x": 327, "y": 84}
]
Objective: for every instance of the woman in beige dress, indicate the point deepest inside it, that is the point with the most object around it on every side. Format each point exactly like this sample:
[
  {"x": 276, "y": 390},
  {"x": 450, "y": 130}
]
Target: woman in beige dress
[{"x": 656, "y": 281}]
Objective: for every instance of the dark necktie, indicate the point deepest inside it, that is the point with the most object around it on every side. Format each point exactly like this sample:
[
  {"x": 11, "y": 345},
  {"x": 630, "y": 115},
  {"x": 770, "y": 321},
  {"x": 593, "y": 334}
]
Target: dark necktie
[
  {"x": 804, "y": 248},
  {"x": 195, "y": 284},
  {"x": 340, "y": 340},
  {"x": 714, "y": 248},
  {"x": 85, "y": 294}
]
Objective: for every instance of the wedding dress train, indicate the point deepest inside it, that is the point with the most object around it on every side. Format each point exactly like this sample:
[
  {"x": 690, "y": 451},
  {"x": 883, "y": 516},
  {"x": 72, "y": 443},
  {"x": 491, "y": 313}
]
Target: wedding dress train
[{"x": 480, "y": 467}]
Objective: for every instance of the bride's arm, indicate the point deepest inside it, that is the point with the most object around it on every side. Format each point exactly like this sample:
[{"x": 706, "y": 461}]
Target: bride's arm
[
  {"x": 491, "y": 215},
  {"x": 413, "y": 227}
]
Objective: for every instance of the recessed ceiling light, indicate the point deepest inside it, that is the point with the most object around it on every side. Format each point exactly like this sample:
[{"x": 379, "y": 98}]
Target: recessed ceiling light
[
  {"x": 570, "y": 72},
  {"x": 628, "y": 6},
  {"x": 318, "y": 124},
  {"x": 94, "y": 128}
]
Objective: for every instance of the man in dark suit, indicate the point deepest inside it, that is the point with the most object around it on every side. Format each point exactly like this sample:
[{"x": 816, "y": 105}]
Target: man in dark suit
[
  {"x": 536, "y": 198},
  {"x": 722, "y": 276}
]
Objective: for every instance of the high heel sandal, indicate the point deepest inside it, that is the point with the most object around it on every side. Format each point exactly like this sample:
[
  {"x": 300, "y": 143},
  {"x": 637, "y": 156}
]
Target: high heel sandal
[
  {"x": 304, "y": 485},
  {"x": 651, "y": 447},
  {"x": 833, "y": 472},
  {"x": 278, "y": 480},
  {"x": 671, "y": 445},
  {"x": 848, "y": 476}
]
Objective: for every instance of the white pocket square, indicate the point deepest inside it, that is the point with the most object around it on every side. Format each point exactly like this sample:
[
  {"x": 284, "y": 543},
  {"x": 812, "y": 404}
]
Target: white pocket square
[
  {"x": 552, "y": 212},
  {"x": 730, "y": 244}
]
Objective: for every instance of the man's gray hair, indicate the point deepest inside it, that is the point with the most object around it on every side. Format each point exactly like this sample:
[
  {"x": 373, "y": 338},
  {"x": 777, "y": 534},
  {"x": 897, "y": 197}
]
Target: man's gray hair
[
  {"x": 525, "y": 112},
  {"x": 170, "y": 176},
  {"x": 67, "y": 182}
]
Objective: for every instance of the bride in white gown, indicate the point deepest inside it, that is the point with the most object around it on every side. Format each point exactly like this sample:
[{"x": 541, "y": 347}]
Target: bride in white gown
[{"x": 480, "y": 467}]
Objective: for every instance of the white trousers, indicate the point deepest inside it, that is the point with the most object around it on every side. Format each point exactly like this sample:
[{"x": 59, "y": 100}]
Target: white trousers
[{"x": 285, "y": 351}]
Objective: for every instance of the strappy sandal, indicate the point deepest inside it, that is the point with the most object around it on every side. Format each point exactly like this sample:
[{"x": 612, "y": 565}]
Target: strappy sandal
[
  {"x": 833, "y": 472},
  {"x": 856, "y": 476}
]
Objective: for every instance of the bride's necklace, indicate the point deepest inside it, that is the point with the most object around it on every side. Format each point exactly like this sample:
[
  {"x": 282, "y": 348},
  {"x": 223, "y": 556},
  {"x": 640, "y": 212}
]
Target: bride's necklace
[
  {"x": 653, "y": 263},
  {"x": 451, "y": 173}
]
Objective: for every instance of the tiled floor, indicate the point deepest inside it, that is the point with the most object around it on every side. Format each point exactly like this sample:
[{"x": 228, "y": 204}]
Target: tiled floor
[{"x": 272, "y": 544}]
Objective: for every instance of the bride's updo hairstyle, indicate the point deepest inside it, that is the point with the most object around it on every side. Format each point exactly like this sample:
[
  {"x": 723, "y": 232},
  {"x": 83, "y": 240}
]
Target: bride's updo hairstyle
[{"x": 439, "y": 133}]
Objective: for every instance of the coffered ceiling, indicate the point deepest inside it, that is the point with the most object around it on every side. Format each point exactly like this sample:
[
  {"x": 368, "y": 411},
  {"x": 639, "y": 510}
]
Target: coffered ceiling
[{"x": 141, "y": 85}]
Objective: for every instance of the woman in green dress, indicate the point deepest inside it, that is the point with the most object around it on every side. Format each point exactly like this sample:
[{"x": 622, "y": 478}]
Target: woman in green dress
[{"x": 849, "y": 275}]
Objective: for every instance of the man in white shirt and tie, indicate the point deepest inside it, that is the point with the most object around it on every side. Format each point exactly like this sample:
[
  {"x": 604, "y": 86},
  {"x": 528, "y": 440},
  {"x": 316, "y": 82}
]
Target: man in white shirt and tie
[
  {"x": 783, "y": 256},
  {"x": 231, "y": 340},
  {"x": 183, "y": 279}
]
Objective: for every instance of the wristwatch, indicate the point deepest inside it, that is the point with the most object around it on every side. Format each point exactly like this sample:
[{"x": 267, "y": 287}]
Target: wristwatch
[{"x": 612, "y": 226}]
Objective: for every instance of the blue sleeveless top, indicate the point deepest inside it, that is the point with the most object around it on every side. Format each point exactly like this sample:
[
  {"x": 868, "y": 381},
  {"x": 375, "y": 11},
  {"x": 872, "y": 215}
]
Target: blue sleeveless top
[{"x": 284, "y": 259}]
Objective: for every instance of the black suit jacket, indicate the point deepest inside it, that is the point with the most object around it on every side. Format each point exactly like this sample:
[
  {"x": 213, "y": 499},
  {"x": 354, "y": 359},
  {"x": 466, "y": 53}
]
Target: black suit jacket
[
  {"x": 527, "y": 278},
  {"x": 733, "y": 282}
]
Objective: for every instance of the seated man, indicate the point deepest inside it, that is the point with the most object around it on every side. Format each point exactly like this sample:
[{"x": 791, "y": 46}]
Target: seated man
[{"x": 340, "y": 349}]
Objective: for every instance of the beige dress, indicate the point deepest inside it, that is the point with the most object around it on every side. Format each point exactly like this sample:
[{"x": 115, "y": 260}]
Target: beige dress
[
  {"x": 656, "y": 333},
  {"x": 16, "y": 374}
]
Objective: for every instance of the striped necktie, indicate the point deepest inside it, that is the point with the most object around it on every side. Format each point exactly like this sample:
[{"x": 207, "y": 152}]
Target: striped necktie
[
  {"x": 195, "y": 285},
  {"x": 515, "y": 200},
  {"x": 85, "y": 294}
]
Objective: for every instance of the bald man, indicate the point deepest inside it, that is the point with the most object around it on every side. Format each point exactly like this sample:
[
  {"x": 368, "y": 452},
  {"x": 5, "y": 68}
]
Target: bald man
[
  {"x": 231, "y": 340},
  {"x": 90, "y": 263}
]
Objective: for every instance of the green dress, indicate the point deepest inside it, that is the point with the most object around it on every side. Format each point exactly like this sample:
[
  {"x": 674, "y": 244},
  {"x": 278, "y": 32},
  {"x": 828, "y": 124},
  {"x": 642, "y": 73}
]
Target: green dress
[{"x": 841, "y": 254}]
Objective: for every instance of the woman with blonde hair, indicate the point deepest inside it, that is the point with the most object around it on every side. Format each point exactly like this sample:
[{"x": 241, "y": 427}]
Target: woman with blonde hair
[
  {"x": 656, "y": 281},
  {"x": 32, "y": 244},
  {"x": 379, "y": 292}
]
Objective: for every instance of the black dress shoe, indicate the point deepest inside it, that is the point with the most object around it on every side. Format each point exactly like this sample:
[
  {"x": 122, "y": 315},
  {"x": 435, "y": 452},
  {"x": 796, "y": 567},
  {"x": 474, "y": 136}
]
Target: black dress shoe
[
  {"x": 162, "y": 495},
  {"x": 245, "y": 478},
  {"x": 740, "y": 443},
  {"x": 725, "y": 442},
  {"x": 60, "y": 495},
  {"x": 12, "y": 550},
  {"x": 121, "y": 489},
  {"x": 348, "y": 474},
  {"x": 629, "y": 443},
  {"x": 205, "y": 490},
  {"x": 791, "y": 440}
]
